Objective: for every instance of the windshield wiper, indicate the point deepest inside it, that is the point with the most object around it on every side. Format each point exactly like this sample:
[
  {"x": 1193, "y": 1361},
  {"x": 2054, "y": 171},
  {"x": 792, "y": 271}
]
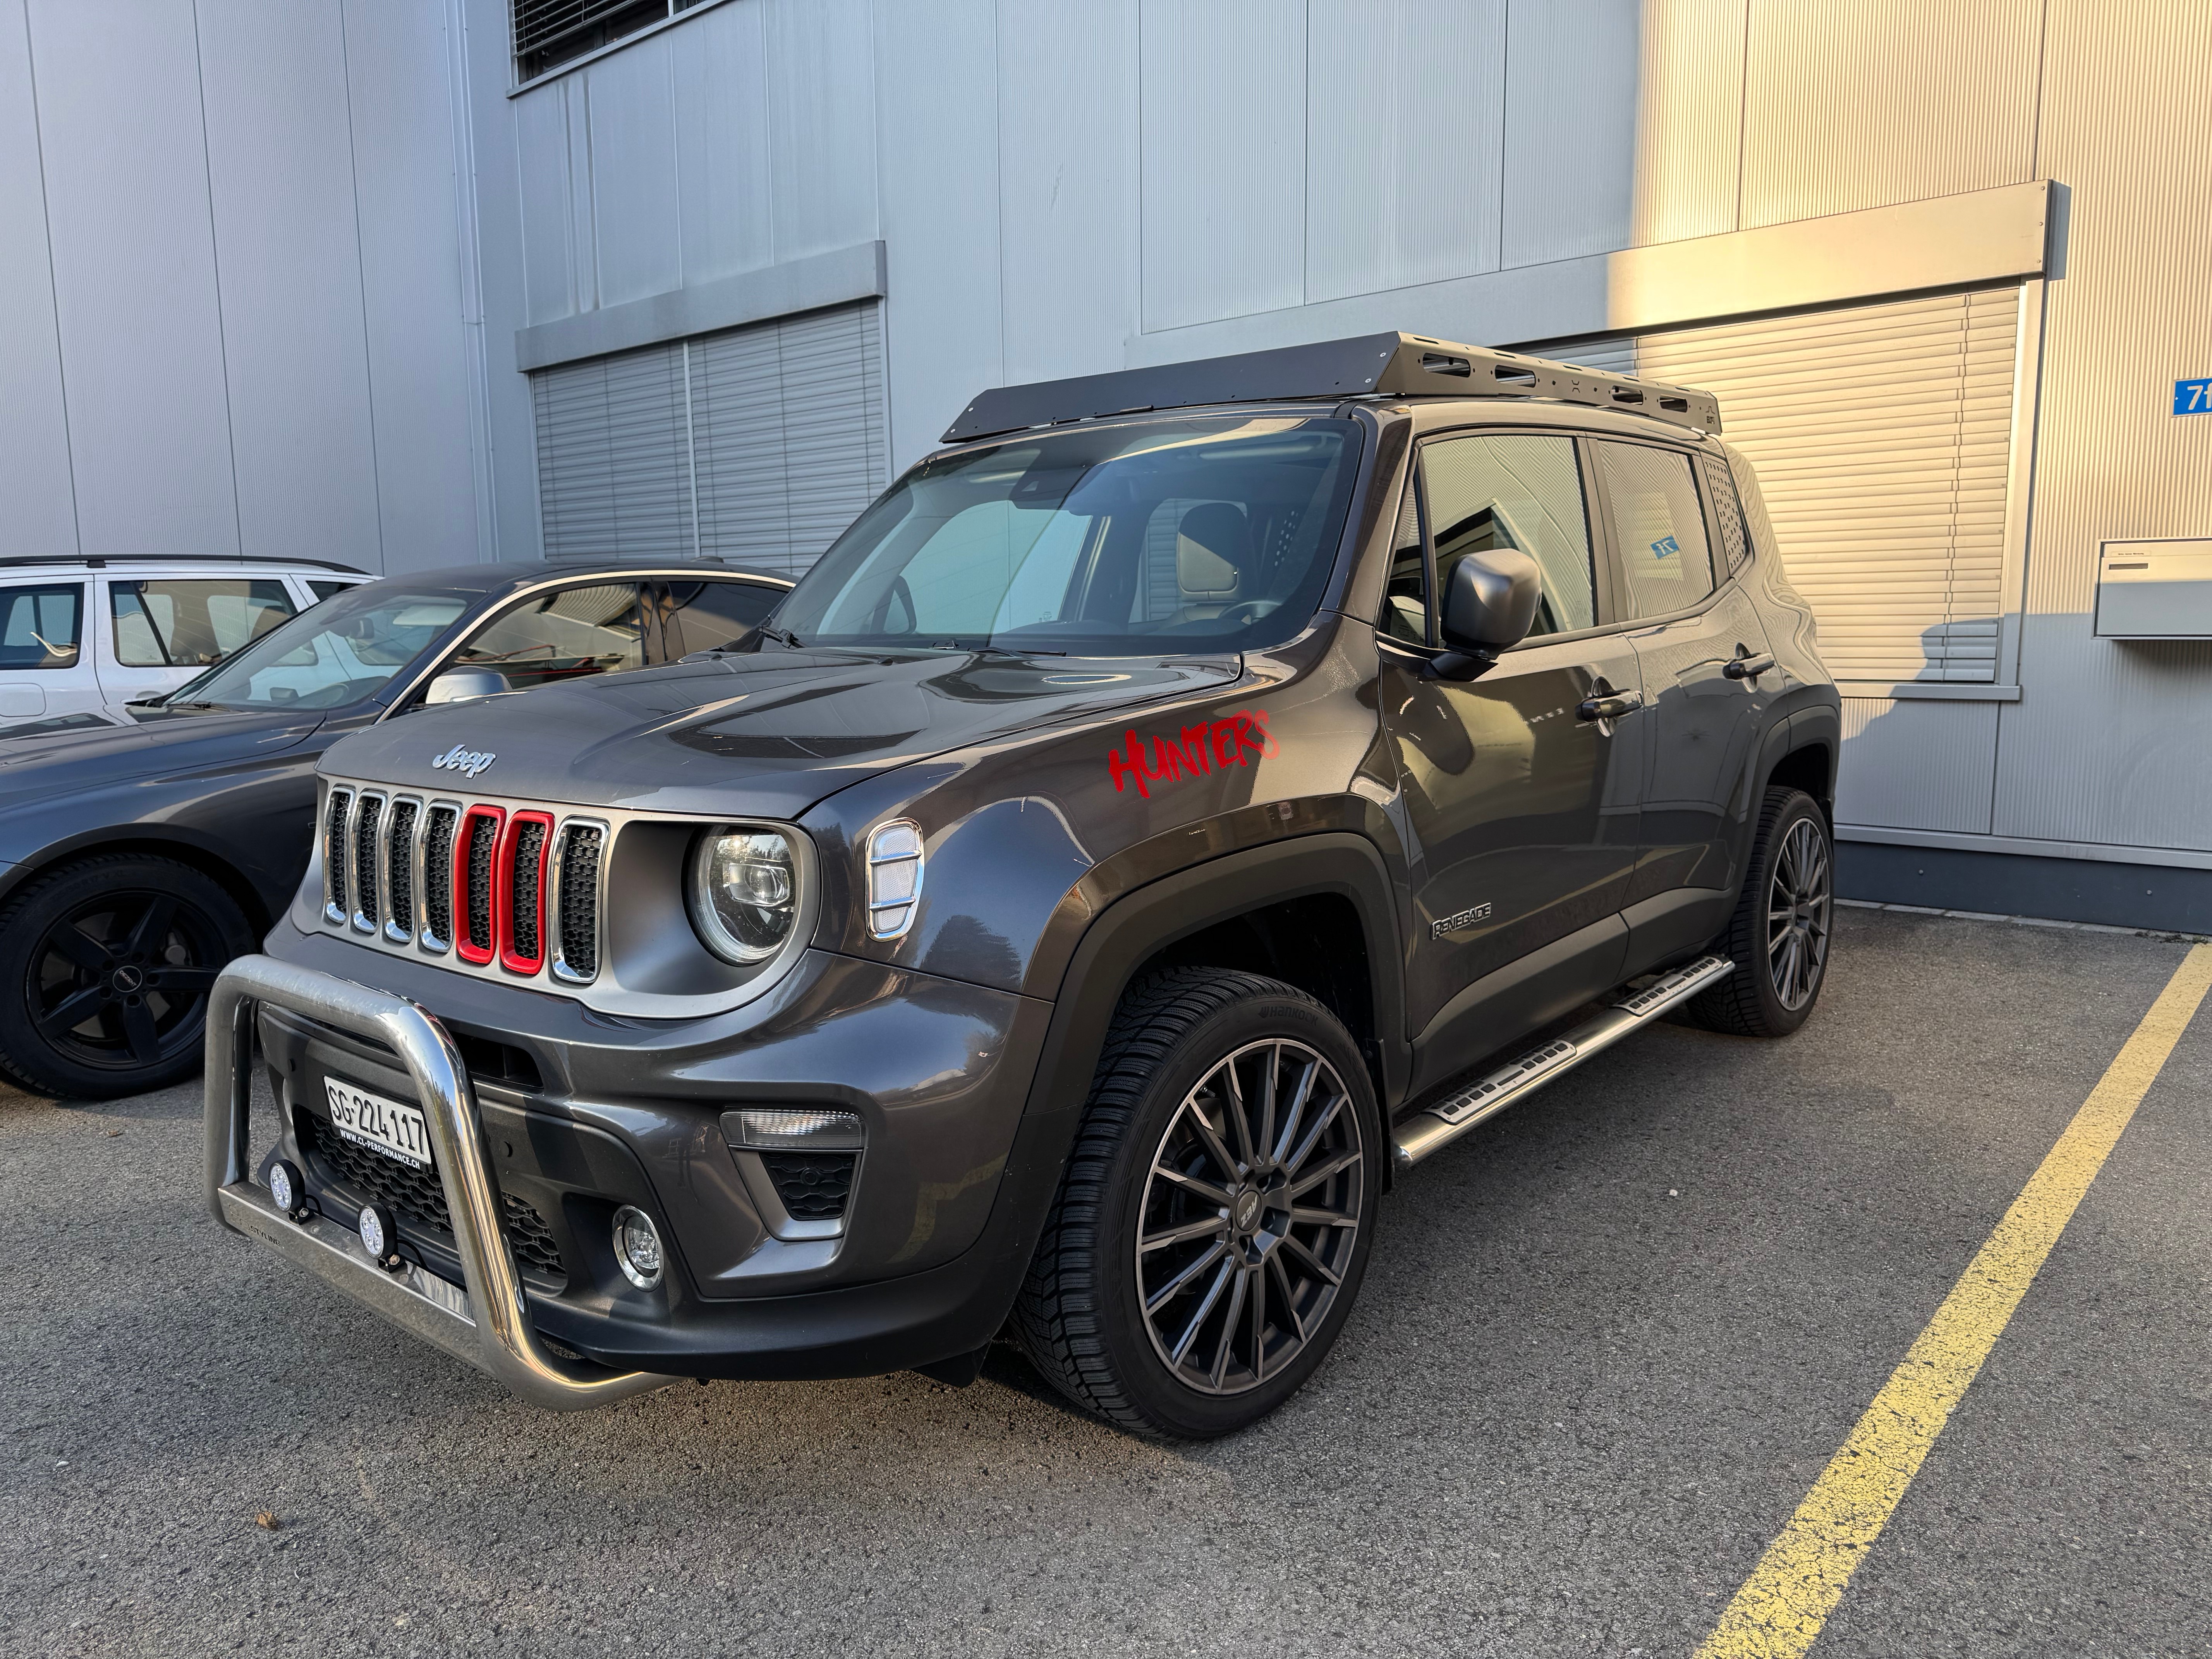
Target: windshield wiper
[
  {"x": 987, "y": 649},
  {"x": 781, "y": 635}
]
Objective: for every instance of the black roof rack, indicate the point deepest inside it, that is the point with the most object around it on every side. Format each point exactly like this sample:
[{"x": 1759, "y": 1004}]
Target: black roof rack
[
  {"x": 1386, "y": 365},
  {"x": 102, "y": 560}
]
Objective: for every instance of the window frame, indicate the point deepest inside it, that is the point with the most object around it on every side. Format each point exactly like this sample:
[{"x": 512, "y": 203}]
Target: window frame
[
  {"x": 1604, "y": 580},
  {"x": 1723, "y": 580}
]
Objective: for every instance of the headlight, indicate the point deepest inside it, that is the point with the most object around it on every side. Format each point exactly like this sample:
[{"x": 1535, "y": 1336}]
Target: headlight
[{"x": 743, "y": 891}]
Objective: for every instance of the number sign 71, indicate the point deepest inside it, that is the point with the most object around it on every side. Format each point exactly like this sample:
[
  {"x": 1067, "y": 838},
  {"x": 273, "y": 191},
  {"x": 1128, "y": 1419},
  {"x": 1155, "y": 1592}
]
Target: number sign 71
[{"x": 2193, "y": 396}]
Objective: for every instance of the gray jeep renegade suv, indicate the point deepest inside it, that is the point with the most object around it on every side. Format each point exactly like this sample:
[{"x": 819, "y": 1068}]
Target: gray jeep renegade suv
[{"x": 1178, "y": 805}]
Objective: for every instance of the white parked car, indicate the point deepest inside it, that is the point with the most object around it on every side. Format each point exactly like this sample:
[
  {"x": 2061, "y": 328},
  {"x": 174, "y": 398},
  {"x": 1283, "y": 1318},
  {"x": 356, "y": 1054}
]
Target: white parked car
[{"x": 80, "y": 638}]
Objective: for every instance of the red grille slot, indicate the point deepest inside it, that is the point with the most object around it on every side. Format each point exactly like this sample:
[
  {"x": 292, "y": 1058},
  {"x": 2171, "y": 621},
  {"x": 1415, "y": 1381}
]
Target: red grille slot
[
  {"x": 521, "y": 887},
  {"x": 476, "y": 863}
]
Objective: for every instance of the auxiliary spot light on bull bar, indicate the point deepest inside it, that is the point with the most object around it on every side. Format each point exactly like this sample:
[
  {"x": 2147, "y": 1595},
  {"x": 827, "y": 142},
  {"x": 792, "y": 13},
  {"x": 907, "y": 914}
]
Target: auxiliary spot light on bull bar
[
  {"x": 380, "y": 1236},
  {"x": 894, "y": 878},
  {"x": 288, "y": 1190}
]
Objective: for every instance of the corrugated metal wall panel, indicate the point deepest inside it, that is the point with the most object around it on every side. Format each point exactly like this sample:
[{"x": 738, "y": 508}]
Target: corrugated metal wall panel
[
  {"x": 779, "y": 430},
  {"x": 1404, "y": 117},
  {"x": 1068, "y": 185},
  {"x": 724, "y": 193},
  {"x": 633, "y": 136},
  {"x": 1917, "y": 765},
  {"x": 613, "y": 472},
  {"x": 1885, "y": 100},
  {"x": 1882, "y": 438},
  {"x": 541, "y": 137},
  {"x": 1222, "y": 100},
  {"x": 822, "y": 109},
  {"x": 35, "y": 455},
  {"x": 1622, "y": 125},
  {"x": 2109, "y": 744}
]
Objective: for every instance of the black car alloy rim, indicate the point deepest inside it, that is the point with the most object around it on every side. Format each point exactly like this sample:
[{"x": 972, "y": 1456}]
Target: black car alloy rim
[
  {"x": 121, "y": 980},
  {"x": 1250, "y": 1213},
  {"x": 1797, "y": 913}
]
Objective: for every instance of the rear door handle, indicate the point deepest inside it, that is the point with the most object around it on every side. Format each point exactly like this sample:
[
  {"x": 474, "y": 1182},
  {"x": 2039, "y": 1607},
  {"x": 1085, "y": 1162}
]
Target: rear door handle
[
  {"x": 1612, "y": 705},
  {"x": 1748, "y": 668}
]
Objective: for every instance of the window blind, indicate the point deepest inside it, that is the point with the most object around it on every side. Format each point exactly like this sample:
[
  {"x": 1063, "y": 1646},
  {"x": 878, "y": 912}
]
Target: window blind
[
  {"x": 758, "y": 446},
  {"x": 1882, "y": 437}
]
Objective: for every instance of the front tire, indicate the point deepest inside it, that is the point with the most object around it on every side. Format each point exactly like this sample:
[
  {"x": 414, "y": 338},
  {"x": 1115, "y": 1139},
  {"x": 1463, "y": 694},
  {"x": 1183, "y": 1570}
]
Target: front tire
[
  {"x": 104, "y": 970},
  {"x": 1780, "y": 934},
  {"x": 1215, "y": 1218}
]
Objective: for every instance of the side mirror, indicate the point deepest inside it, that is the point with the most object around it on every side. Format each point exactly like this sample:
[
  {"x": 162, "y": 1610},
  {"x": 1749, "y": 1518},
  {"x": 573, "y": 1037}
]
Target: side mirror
[
  {"x": 464, "y": 685},
  {"x": 1490, "y": 600}
]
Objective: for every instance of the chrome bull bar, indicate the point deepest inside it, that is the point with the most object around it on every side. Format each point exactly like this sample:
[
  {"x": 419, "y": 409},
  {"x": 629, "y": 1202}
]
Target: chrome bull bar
[{"x": 489, "y": 1327}]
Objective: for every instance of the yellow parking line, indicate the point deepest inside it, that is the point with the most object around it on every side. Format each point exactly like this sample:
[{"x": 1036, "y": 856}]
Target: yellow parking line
[{"x": 1781, "y": 1608}]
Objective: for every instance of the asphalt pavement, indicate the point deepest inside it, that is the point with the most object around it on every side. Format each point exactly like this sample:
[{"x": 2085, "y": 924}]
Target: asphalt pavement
[{"x": 1607, "y": 1343}]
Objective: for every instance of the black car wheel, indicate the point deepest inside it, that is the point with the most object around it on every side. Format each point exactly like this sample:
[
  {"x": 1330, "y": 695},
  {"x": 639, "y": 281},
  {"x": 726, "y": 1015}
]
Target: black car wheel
[
  {"x": 1215, "y": 1218},
  {"x": 105, "y": 970},
  {"x": 1780, "y": 935}
]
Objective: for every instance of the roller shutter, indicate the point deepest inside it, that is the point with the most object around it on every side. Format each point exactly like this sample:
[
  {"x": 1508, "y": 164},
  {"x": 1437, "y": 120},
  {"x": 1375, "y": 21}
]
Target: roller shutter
[
  {"x": 756, "y": 445},
  {"x": 1882, "y": 437}
]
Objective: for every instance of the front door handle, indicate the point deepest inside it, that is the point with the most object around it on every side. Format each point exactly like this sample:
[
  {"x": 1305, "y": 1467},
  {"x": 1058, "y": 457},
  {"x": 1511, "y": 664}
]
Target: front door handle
[
  {"x": 1748, "y": 668},
  {"x": 1612, "y": 705}
]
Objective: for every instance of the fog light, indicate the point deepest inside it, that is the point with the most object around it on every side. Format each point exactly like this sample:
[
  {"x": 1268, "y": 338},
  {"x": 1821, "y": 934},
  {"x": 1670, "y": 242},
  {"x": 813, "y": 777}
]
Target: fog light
[
  {"x": 380, "y": 1236},
  {"x": 789, "y": 1128},
  {"x": 288, "y": 1190},
  {"x": 637, "y": 1247}
]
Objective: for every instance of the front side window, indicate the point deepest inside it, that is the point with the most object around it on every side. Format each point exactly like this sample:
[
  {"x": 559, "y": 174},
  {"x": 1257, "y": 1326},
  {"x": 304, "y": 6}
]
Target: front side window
[
  {"x": 38, "y": 626},
  {"x": 1515, "y": 489},
  {"x": 336, "y": 652},
  {"x": 1658, "y": 527},
  {"x": 569, "y": 634},
  {"x": 192, "y": 622},
  {"x": 1207, "y": 534}
]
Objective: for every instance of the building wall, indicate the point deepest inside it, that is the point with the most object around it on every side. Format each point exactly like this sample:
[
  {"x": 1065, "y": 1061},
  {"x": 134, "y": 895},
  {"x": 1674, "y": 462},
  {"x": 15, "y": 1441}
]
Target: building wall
[{"x": 231, "y": 283}]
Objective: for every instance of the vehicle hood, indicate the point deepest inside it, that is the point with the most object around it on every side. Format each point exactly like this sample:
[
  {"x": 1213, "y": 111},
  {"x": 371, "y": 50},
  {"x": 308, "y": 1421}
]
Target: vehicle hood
[
  {"x": 768, "y": 734},
  {"x": 35, "y": 770}
]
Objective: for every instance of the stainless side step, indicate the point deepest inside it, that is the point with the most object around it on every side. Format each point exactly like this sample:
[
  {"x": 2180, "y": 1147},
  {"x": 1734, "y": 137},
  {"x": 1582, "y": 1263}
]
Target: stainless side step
[{"x": 1453, "y": 1116}]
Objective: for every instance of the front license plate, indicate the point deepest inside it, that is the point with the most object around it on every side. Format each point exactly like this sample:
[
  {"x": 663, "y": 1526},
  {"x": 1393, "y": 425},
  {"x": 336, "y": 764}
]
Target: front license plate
[{"x": 385, "y": 1126}]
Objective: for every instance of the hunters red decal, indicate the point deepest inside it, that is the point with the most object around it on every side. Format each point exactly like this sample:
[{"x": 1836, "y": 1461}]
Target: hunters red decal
[{"x": 1209, "y": 747}]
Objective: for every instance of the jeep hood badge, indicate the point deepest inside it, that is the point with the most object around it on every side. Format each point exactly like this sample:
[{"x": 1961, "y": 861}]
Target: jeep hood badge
[{"x": 462, "y": 759}]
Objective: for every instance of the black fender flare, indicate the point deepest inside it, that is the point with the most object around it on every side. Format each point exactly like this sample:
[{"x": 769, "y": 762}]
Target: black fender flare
[{"x": 1113, "y": 947}]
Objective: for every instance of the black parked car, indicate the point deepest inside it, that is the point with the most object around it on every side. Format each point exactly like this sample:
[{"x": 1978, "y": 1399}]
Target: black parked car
[
  {"x": 1148, "y": 828},
  {"x": 135, "y": 861}
]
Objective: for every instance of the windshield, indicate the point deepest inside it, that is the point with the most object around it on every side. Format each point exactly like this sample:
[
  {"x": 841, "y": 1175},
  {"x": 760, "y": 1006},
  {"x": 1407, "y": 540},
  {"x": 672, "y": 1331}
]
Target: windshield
[
  {"x": 1206, "y": 534},
  {"x": 339, "y": 652}
]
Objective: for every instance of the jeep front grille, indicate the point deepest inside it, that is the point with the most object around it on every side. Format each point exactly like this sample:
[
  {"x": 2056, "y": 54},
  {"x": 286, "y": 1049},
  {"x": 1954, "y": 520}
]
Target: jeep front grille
[
  {"x": 335, "y": 860},
  {"x": 437, "y": 878},
  {"x": 367, "y": 816},
  {"x": 520, "y": 889}
]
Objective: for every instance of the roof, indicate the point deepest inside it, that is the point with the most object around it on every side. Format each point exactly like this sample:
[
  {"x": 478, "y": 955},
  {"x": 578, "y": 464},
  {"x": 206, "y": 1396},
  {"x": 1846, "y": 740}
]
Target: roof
[
  {"x": 108, "y": 560},
  {"x": 1383, "y": 365}
]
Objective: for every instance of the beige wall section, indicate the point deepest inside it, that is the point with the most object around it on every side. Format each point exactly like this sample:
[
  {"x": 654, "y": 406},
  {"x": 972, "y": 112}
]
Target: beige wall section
[
  {"x": 1852, "y": 105},
  {"x": 2111, "y": 741}
]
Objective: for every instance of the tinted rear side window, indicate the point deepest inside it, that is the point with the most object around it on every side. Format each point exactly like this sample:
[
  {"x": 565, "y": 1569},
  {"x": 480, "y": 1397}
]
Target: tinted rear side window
[
  {"x": 1658, "y": 527},
  {"x": 40, "y": 626}
]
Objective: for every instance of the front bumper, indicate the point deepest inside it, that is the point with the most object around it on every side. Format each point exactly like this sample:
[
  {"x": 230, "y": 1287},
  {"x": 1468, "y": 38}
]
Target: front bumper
[
  {"x": 490, "y": 1325},
  {"x": 871, "y": 1307}
]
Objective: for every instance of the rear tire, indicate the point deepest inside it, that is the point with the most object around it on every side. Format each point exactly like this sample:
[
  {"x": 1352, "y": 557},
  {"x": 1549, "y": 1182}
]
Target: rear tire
[
  {"x": 1780, "y": 934},
  {"x": 1255, "y": 1224},
  {"x": 104, "y": 970}
]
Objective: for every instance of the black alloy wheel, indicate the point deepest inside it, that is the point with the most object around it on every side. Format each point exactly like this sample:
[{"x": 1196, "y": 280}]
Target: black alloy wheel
[
  {"x": 1780, "y": 936},
  {"x": 1216, "y": 1211},
  {"x": 1251, "y": 1215},
  {"x": 1799, "y": 911},
  {"x": 104, "y": 971}
]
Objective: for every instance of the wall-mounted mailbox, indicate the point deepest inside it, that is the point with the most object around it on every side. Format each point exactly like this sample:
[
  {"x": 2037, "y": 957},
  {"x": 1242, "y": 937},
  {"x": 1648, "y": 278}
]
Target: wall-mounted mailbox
[{"x": 2158, "y": 590}]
